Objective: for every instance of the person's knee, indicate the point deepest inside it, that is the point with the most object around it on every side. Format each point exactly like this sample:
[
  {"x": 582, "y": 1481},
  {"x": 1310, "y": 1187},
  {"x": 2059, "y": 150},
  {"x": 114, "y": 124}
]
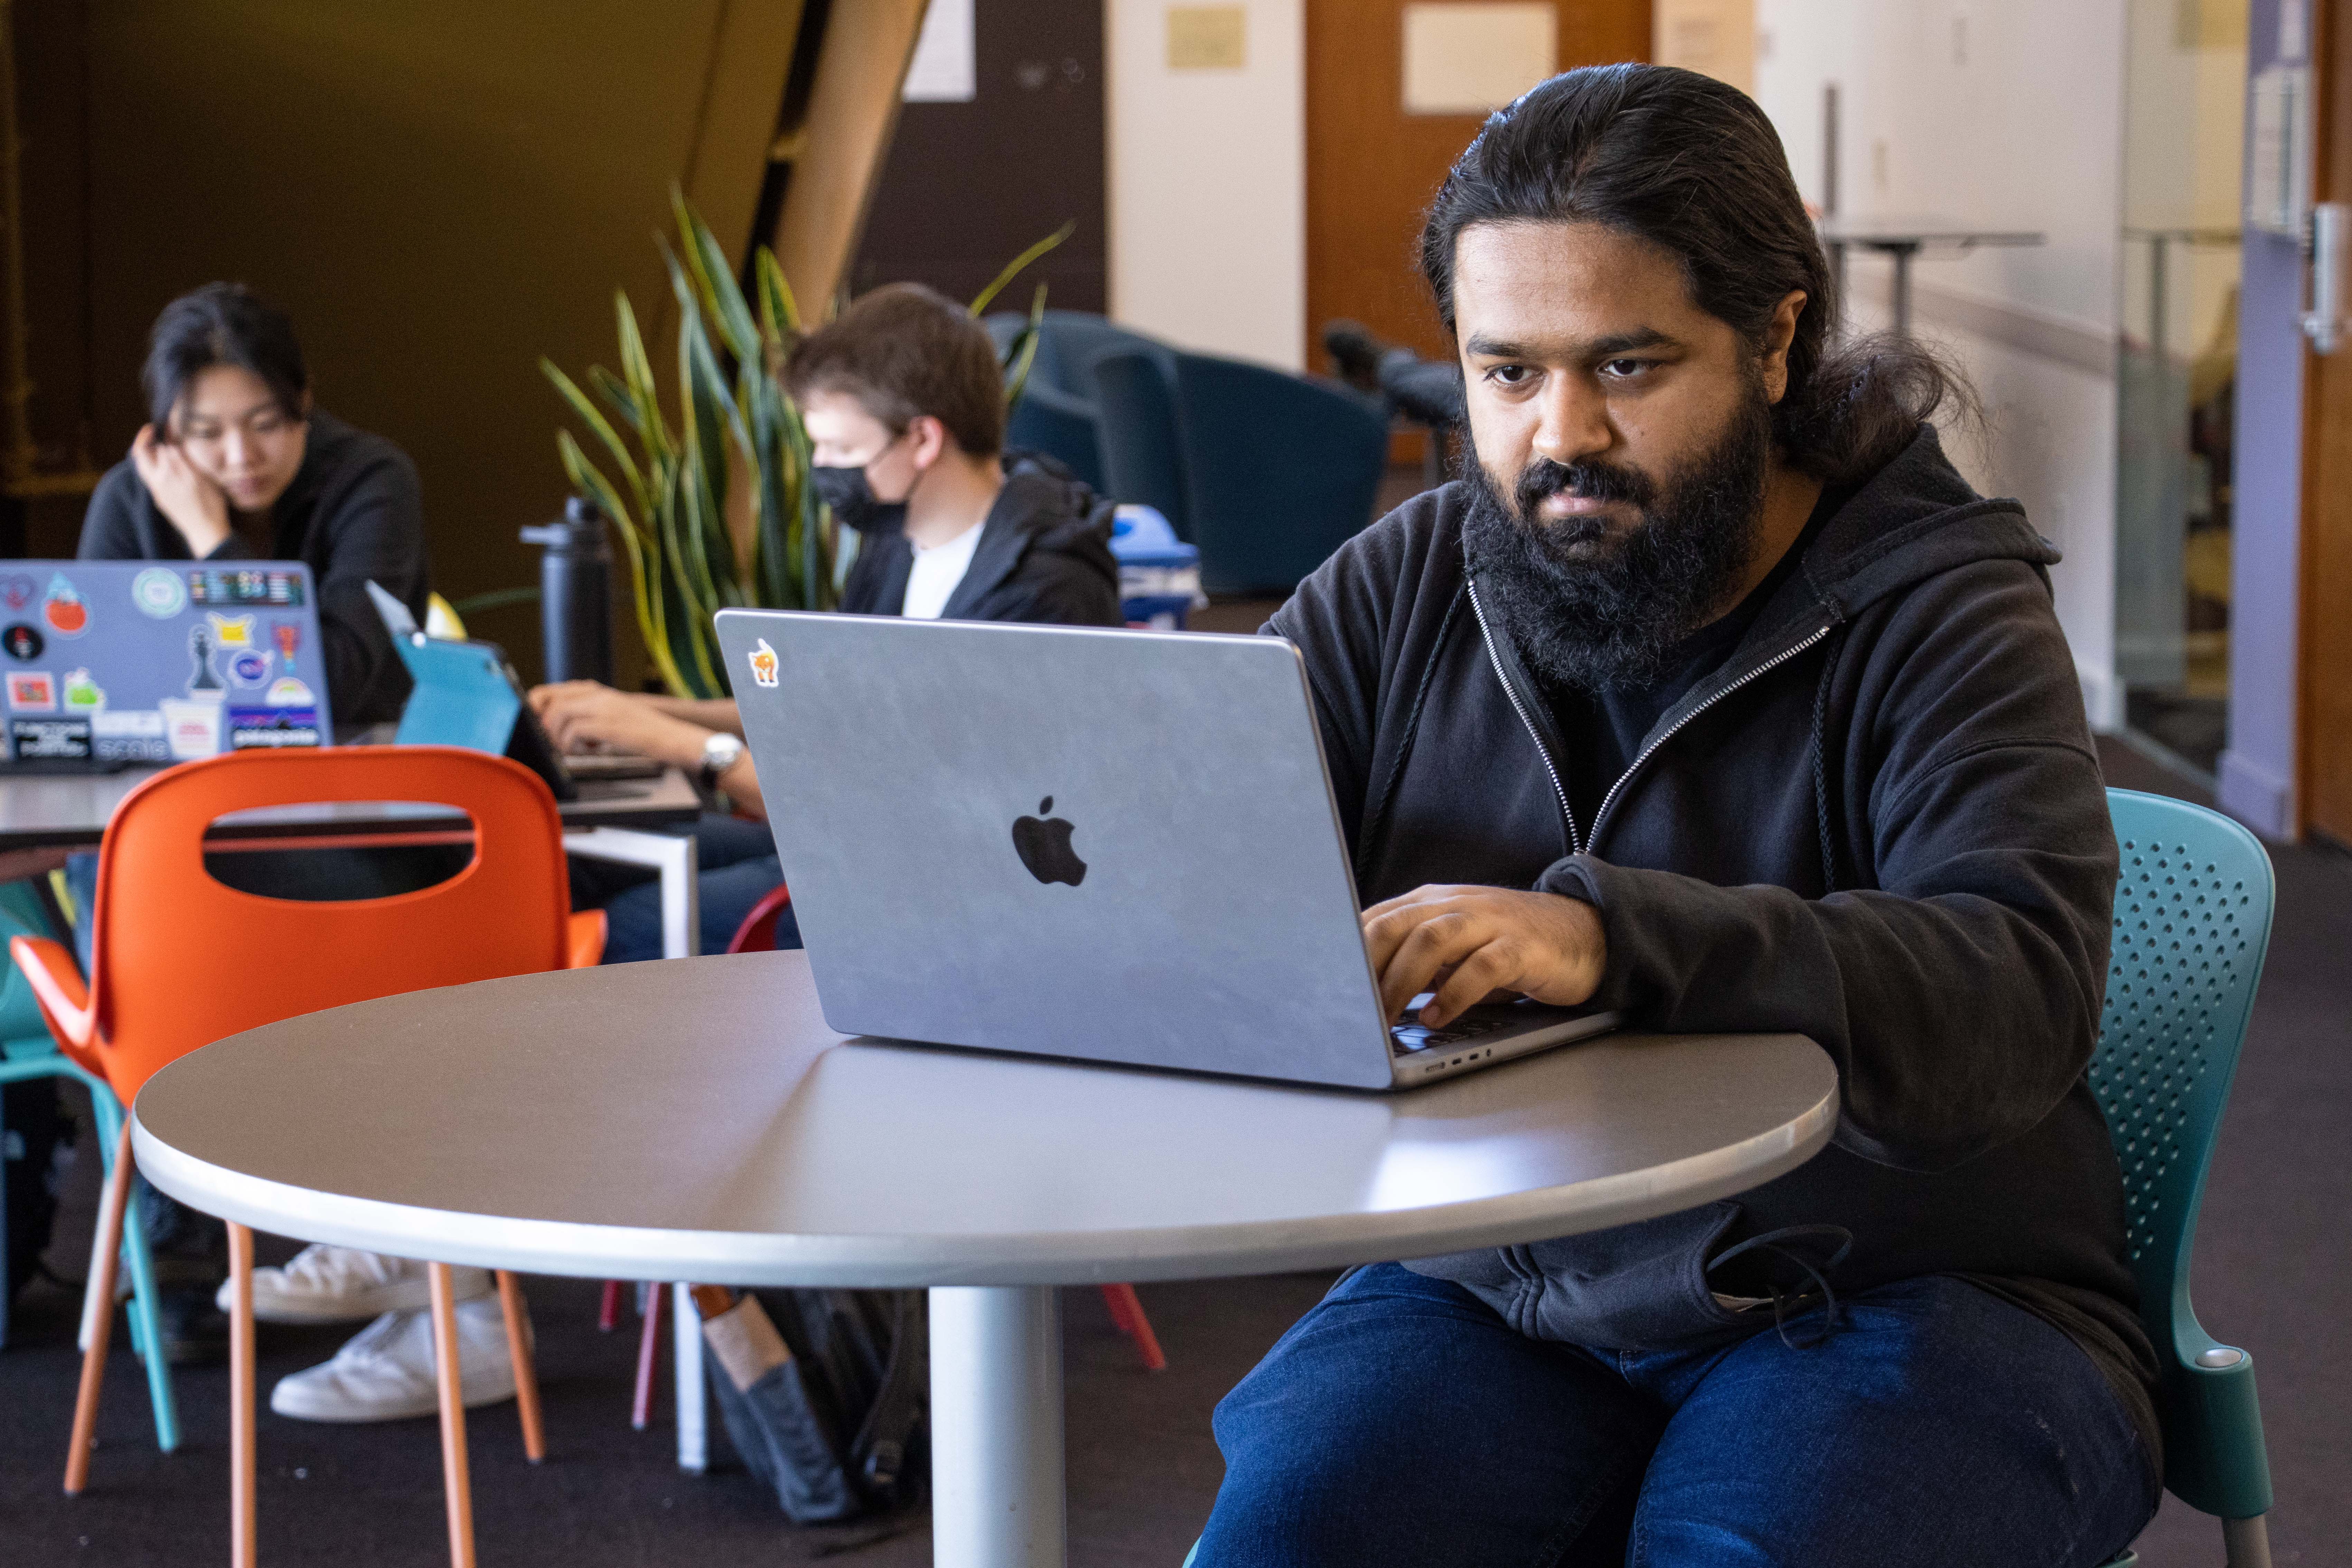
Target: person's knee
[
  {"x": 1403, "y": 1420},
  {"x": 1937, "y": 1419}
]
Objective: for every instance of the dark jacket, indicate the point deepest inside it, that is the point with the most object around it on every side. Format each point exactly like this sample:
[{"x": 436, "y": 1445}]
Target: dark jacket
[
  {"x": 1879, "y": 823},
  {"x": 353, "y": 512},
  {"x": 1043, "y": 555}
]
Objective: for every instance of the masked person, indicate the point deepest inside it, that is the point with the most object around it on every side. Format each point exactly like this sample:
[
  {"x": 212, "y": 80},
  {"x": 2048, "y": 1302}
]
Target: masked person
[
  {"x": 903, "y": 404},
  {"x": 1713, "y": 693}
]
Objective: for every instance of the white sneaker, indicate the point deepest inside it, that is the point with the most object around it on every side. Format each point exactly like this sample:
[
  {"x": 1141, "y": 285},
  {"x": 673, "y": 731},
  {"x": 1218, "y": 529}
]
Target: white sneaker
[
  {"x": 386, "y": 1371},
  {"x": 342, "y": 1284}
]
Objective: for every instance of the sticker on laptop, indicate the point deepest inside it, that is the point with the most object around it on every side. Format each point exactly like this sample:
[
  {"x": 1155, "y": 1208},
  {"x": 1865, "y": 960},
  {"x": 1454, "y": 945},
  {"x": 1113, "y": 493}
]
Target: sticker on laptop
[
  {"x": 23, "y": 642},
  {"x": 288, "y": 636},
  {"x": 64, "y": 609},
  {"x": 268, "y": 729},
  {"x": 136, "y": 736},
  {"x": 16, "y": 591},
  {"x": 287, "y": 692},
  {"x": 32, "y": 691},
  {"x": 83, "y": 695},
  {"x": 249, "y": 667},
  {"x": 49, "y": 740},
  {"x": 763, "y": 664},
  {"x": 160, "y": 592},
  {"x": 231, "y": 631}
]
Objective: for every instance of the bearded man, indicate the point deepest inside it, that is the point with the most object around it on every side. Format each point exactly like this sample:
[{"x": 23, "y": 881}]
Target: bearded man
[{"x": 1713, "y": 692}]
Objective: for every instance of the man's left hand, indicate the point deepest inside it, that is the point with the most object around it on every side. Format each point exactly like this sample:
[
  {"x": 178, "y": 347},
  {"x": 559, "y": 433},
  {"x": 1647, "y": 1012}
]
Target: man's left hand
[
  {"x": 581, "y": 714},
  {"x": 1464, "y": 942}
]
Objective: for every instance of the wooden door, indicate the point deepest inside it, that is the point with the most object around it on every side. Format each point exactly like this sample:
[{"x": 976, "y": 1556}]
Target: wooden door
[
  {"x": 2326, "y": 610},
  {"x": 1371, "y": 168}
]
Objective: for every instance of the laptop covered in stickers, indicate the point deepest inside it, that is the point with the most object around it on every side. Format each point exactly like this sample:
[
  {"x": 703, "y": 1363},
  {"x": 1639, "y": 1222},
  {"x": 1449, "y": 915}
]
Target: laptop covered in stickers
[{"x": 117, "y": 664}]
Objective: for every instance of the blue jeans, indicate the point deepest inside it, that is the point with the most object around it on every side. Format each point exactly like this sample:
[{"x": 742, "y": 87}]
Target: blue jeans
[
  {"x": 1402, "y": 1420},
  {"x": 738, "y": 866}
]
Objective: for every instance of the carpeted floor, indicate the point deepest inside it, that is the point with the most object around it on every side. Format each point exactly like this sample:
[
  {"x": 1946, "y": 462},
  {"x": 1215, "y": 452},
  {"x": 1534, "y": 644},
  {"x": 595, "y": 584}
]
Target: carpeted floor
[{"x": 2272, "y": 1274}]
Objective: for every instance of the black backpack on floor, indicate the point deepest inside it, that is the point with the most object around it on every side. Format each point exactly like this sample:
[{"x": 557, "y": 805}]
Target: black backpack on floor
[{"x": 839, "y": 1431}]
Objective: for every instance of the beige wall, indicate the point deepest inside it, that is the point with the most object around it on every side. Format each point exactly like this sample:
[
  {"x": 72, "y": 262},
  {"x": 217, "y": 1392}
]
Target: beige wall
[
  {"x": 440, "y": 192},
  {"x": 1208, "y": 185}
]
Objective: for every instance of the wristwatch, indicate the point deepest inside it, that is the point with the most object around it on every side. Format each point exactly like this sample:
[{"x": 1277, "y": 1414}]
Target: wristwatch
[{"x": 720, "y": 752}]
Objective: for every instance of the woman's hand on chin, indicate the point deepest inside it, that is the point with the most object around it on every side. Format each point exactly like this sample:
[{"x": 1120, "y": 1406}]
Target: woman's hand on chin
[{"x": 190, "y": 503}]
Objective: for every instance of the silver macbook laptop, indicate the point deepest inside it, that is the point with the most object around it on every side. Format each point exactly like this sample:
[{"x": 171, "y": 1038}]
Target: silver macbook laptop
[{"x": 1113, "y": 846}]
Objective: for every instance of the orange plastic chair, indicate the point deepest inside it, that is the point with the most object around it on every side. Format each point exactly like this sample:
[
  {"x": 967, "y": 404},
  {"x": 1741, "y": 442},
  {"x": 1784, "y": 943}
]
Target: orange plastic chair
[{"x": 166, "y": 935}]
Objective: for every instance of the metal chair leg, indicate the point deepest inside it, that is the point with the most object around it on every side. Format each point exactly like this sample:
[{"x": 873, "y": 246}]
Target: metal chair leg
[
  {"x": 147, "y": 1332},
  {"x": 2246, "y": 1542},
  {"x": 1127, "y": 1311},
  {"x": 455, "y": 1481},
  {"x": 641, "y": 1409},
  {"x": 99, "y": 1299},
  {"x": 526, "y": 1374},
  {"x": 242, "y": 1539}
]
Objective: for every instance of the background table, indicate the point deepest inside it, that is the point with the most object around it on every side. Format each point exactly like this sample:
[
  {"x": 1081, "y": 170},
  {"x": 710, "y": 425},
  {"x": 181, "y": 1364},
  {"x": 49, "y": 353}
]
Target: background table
[
  {"x": 1903, "y": 237},
  {"x": 695, "y": 1122},
  {"x": 608, "y": 822}
]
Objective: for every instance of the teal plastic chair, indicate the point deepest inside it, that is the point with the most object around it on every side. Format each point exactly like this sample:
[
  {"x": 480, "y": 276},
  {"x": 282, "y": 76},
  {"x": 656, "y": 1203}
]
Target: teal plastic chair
[
  {"x": 2192, "y": 923},
  {"x": 28, "y": 1051}
]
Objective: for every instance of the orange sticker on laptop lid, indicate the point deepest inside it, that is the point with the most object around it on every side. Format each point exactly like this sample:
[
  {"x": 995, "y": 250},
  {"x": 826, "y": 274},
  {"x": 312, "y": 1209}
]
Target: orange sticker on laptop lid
[{"x": 763, "y": 664}]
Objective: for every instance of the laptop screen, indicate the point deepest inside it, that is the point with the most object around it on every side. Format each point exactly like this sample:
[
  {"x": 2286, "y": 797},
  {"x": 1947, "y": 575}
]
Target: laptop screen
[{"x": 114, "y": 663}]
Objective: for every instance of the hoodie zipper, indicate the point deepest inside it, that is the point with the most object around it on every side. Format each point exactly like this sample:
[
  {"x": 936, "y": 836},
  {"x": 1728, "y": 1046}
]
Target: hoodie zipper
[
  {"x": 1575, "y": 845},
  {"x": 1578, "y": 846},
  {"x": 1770, "y": 664}
]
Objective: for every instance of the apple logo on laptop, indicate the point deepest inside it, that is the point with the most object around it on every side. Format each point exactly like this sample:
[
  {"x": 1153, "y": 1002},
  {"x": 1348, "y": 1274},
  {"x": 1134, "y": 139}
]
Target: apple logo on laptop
[{"x": 1043, "y": 842}]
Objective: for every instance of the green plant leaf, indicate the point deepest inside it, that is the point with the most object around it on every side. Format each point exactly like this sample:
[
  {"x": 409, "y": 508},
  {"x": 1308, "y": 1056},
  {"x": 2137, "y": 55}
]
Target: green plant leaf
[
  {"x": 778, "y": 313},
  {"x": 714, "y": 279},
  {"x": 590, "y": 416},
  {"x": 1014, "y": 268},
  {"x": 1025, "y": 352}
]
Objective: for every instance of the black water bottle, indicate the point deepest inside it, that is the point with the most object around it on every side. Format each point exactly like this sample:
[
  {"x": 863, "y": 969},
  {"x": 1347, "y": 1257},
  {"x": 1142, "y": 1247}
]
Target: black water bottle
[{"x": 575, "y": 593}]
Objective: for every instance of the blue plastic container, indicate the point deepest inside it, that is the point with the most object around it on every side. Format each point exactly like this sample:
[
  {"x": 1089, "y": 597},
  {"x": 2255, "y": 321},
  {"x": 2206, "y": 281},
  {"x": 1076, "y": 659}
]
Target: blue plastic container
[{"x": 1159, "y": 573}]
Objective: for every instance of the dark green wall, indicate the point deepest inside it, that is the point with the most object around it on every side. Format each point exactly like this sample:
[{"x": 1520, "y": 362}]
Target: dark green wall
[{"x": 438, "y": 192}]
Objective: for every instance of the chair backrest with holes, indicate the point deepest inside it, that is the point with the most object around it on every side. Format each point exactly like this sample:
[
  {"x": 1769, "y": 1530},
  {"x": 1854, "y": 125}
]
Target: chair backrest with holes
[
  {"x": 2192, "y": 922},
  {"x": 181, "y": 959}
]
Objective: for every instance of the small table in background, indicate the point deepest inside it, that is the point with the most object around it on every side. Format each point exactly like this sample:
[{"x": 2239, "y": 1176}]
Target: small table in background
[
  {"x": 1903, "y": 237},
  {"x": 610, "y": 821},
  {"x": 698, "y": 1121}
]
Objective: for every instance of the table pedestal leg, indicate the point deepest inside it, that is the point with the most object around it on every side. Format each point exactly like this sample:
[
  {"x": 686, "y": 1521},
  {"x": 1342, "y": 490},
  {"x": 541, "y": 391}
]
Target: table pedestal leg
[{"x": 997, "y": 1427}]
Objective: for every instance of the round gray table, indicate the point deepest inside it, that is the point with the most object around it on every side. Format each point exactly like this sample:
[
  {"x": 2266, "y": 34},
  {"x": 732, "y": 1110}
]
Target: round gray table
[{"x": 696, "y": 1120}]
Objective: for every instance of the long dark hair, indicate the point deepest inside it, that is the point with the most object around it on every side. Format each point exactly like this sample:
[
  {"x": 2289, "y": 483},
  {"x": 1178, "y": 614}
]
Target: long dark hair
[
  {"x": 1694, "y": 167},
  {"x": 222, "y": 323}
]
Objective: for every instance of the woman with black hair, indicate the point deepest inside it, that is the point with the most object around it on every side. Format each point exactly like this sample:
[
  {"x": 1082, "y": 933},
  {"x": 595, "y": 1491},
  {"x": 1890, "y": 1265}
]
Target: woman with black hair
[{"x": 237, "y": 464}]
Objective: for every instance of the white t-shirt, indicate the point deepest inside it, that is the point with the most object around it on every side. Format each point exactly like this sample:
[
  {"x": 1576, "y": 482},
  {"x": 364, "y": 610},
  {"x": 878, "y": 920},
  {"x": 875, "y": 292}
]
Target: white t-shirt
[{"x": 936, "y": 572}]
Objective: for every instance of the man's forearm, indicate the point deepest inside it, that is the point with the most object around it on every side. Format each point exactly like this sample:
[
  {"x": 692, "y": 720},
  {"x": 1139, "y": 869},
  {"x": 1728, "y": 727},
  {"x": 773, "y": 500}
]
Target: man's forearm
[{"x": 710, "y": 713}]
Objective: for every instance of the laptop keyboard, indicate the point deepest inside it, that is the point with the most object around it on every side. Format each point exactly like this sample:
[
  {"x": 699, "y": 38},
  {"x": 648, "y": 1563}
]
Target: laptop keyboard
[{"x": 1411, "y": 1038}]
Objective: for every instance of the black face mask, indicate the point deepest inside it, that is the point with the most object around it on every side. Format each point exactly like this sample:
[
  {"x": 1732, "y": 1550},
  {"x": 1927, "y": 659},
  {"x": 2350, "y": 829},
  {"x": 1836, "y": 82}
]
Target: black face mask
[{"x": 854, "y": 502}]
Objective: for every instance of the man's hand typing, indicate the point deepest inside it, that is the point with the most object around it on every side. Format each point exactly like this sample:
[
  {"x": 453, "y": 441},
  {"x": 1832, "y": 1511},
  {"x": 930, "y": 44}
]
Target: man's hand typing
[{"x": 1464, "y": 942}]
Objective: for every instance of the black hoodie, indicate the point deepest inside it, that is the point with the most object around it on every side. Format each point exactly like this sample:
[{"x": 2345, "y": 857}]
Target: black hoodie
[
  {"x": 1880, "y": 823},
  {"x": 1043, "y": 555}
]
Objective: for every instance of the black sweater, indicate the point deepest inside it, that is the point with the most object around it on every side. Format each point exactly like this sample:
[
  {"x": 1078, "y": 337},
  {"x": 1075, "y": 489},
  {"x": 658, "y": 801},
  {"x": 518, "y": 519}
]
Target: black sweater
[
  {"x": 1880, "y": 823},
  {"x": 353, "y": 512},
  {"x": 1043, "y": 555}
]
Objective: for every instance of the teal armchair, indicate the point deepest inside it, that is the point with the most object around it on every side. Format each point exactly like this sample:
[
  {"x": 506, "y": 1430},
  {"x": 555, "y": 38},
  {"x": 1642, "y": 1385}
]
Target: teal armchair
[
  {"x": 27, "y": 1052},
  {"x": 2192, "y": 923}
]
